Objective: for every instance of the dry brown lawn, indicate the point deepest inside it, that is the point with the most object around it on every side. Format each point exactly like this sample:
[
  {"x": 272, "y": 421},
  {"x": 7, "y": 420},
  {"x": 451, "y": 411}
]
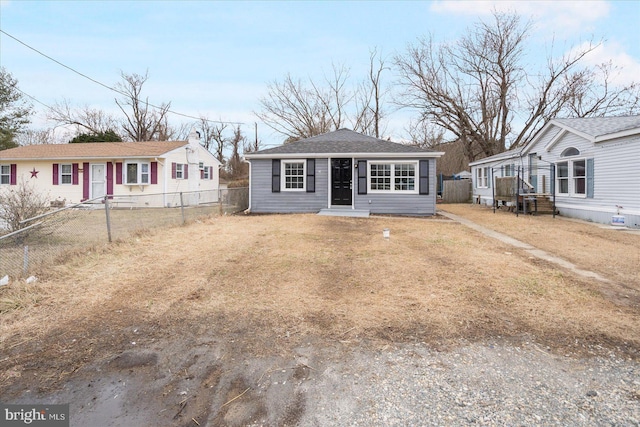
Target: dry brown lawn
[
  {"x": 612, "y": 252},
  {"x": 270, "y": 282}
]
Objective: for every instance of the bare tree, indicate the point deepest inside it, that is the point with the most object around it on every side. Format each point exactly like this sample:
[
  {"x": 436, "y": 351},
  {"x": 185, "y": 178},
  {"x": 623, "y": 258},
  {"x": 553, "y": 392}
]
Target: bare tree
[
  {"x": 143, "y": 121},
  {"x": 235, "y": 167},
  {"x": 594, "y": 94},
  {"x": 38, "y": 137},
  {"x": 476, "y": 87},
  {"x": 424, "y": 134},
  {"x": 298, "y": 111},
  {"x": 213, "y": 137},
  {"x": 369, "y": 98},
  {"x": 84, "y": 119}
]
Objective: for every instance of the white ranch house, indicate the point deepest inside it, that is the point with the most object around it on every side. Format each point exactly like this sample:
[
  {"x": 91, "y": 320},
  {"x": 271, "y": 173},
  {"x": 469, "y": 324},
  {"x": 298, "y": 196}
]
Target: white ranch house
[
  {"x": 75, "y": 173},
  {"x": 589, "y": 165}
]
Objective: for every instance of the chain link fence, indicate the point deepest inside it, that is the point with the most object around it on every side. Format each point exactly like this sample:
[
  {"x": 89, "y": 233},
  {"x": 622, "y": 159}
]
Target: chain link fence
[{"x": 50, "y": 238}]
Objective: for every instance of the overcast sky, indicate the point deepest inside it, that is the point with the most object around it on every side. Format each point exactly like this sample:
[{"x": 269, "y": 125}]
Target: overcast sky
[{"x": 217, "y": 58}]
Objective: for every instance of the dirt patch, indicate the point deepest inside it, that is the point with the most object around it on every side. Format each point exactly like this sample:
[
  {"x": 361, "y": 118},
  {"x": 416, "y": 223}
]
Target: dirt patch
[{"x": 181, "y": 323}]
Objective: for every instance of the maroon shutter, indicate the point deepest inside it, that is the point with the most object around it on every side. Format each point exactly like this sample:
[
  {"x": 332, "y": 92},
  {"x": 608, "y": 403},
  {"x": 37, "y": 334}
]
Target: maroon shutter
[
  {"x": 154, "y": 172},
  {"x": 74, "y": 169},
  {"x": 13, "y": 180},
  {"x": 119, "y": 173},
  {"x": 185, "y": 171},
  {"x": 173, "y": 170},
  {"x": 110, "y": 178},
  {"x": 85, "y": 182},
  {"x": 201, "y": 173},
  {"x": 210, "y": 172},
  {"x": 55, "y": 173}
]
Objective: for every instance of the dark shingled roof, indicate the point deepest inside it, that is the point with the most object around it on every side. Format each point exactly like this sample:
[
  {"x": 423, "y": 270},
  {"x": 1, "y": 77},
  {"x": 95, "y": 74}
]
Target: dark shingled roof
[{"x": 341, "y": 141}]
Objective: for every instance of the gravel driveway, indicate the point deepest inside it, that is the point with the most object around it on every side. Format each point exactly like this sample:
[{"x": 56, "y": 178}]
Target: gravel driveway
[{"x": 479, "y": 384}]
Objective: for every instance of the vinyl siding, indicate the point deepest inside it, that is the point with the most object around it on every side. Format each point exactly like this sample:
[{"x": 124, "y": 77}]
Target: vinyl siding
[
  {"x": 263, "y": 200},
  {"x": 483, "y": 196},
  {"x": 544, "y": 139},
  {"x": 400, "y": 204},
  {"x": 616, "y": 177}
]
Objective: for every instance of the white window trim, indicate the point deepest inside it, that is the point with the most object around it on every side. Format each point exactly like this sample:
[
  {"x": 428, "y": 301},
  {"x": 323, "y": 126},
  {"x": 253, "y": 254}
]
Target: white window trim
[
  {"x": 8, "y": 175},
  {"x": 482, "y": 177},
  {"x": 283, "y": 178},
  {"x": 509, "y": 170},
  {"x": 416, "y": 178},
  {"x": 60, "y": 174},
  {"x": 571, "y": 187},
  {"x": 206, "y": 172},
  {"x": 180, "y": 170},
  {"x": 138, "y": 175}
]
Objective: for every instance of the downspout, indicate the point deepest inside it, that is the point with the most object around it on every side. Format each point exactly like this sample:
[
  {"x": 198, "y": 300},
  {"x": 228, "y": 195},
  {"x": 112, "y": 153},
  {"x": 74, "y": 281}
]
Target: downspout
[
  {"x": 329, "y": 178},
  {"x": 518, "y": 193},
  {"x": 248, "y": 210},
  {"x": 553, "y": 182},
  {"x": 493, "y": 191}
]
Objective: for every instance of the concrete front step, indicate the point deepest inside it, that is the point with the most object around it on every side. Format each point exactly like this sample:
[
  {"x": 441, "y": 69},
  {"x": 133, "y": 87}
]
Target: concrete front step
[{"x": 361, "y": 213}]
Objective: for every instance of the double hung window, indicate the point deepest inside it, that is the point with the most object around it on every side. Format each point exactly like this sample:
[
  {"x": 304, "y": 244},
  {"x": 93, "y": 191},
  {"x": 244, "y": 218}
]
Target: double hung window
[
  {"x": 137, "y": 173},
  {"x": 293, "y": 172},
  {"x": 66, "y": 173},
  {"x": 572, "y": 175},
  {"x": 5, "y": 174},
  {"x": 482, "y": 179}
]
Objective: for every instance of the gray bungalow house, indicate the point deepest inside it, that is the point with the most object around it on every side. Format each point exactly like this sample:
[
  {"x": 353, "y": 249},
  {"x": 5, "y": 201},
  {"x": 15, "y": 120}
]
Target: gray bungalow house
[
  {"x": 343, "y": 173},
  {"x": 588, "y": 166}
]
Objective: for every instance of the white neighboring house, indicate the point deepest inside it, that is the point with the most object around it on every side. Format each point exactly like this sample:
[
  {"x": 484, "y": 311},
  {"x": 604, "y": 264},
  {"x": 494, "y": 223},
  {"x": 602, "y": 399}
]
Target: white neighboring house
[
  {"x": 591, "y": 165},
  {"x": 74, "y": 173}
]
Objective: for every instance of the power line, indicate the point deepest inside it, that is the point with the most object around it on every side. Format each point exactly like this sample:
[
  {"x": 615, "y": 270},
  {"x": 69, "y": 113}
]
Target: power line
[
  {"x": 33, "y": 97},
  {"x": 104, "y": 85}
]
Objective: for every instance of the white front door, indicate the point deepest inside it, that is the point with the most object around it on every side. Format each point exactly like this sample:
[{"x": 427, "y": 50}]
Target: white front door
[{"x": 98, "y": 180}]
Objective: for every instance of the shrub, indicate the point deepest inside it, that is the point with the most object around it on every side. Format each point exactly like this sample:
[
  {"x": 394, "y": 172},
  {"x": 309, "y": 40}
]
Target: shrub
[{"x": 19, "y": 203}]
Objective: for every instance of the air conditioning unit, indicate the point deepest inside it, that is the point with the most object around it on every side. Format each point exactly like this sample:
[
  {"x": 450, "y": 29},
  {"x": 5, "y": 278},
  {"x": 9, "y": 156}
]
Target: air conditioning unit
[{"x": 201, "y": 166}]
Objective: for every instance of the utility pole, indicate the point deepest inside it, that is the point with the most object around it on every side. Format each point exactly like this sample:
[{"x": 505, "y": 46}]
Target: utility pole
[{"x": 256, "y": 127}]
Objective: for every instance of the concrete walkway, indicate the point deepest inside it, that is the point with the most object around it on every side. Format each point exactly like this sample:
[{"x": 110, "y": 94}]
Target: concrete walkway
[{"x": 531, "y": 250}]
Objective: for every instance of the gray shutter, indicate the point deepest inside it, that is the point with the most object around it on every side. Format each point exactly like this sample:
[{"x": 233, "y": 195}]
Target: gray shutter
[
  {"x": 362, "y": 177},
  {"x": 311, "y": 175},
  {"x": 590, "y": 178},
  {"x": 552, "y": 174},
  {"x": 489, "y": 173},
  {"x": 275, "y": 176},
  {"x": 424, "y": 176}
]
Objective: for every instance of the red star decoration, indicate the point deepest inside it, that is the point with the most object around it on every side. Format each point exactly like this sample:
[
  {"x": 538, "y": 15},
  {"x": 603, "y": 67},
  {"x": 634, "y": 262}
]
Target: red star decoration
[{"x": 34, "y": 173}]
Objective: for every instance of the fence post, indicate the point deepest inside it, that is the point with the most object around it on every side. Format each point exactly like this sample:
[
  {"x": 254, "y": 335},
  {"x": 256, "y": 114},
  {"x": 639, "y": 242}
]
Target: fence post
[
  {"x": 108, "y": 214},
  {"x": 182, "y": 209},
  {"x": 25, "y": 260},
  {"x": 220, "y": 210}
]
